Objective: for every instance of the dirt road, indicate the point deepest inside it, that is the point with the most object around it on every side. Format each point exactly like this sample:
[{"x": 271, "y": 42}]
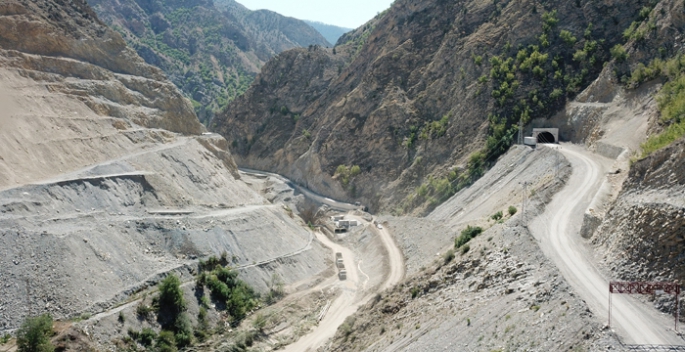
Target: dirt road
[
  {"x": 353, "y": 290},
  {"x": 334, "y": 204},
  {"x": 395, "y": 257},
  {"x": 342, "y": 307},
  {"x": 557, "y": 229}
]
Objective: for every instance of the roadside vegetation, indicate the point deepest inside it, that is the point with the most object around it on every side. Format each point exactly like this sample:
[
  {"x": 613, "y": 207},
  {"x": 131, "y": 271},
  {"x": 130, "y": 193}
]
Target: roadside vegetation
[
  {"x": 34, "y": 335},
  {"x": 230, "y": 296},
  {"x": 671, "y": 100}
]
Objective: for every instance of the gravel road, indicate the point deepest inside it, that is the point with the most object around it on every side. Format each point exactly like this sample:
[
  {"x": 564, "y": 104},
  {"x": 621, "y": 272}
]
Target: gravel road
[
  {"x": 557, "y": 229},
  {"x": 350, "y": 299}
]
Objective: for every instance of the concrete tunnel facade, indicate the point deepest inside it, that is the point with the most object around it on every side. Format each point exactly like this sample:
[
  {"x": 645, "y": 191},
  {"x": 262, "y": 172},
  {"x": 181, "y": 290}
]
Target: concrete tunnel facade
[{"x": 546, "y": 135}]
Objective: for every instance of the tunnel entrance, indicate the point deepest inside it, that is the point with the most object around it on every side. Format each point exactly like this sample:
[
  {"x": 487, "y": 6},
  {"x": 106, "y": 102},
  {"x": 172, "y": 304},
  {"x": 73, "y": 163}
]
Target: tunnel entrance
[{"x": 546, "y": 137}]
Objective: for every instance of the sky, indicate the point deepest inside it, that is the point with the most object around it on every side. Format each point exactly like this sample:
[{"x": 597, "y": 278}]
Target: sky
[{"x": 342, "y": 13}]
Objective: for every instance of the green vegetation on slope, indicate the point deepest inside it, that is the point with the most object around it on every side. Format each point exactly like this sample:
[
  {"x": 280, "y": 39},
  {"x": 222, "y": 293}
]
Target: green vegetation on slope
[
  {"x": 671, "y": 101},
  {"x": 34, "y": 335},
  {"x": 211, "y": 51},
  {"x": 525, "y": 81}
]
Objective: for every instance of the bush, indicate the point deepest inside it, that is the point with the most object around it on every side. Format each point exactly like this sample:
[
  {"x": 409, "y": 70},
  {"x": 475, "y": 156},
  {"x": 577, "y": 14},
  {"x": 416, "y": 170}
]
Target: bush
[
  {"x": 166, "y": 342},
  {"x": 34, "y": 335},
  {"x": 512, "y": 210},
  {"x": 171, "y": 299},
  {"x": 143, "y": 311},
  {"x": 146, "y": 337},
  {"x": 567, "y": 37},
  {"x": 497, "y": 216},
  {"x": 618, "y": 52},
  {"x": 449, "y": 256},
  {"x": 466, "y": 236},
  {"x": 465, "y": 249},
  {"x": 122, "y": 318},
  {"x": 184, "y": 331},
  {"x": 5, "y": 338}
]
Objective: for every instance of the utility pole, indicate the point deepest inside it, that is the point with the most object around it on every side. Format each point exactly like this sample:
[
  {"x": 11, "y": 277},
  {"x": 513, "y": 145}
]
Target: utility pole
[{"x": 521, "y": 131}]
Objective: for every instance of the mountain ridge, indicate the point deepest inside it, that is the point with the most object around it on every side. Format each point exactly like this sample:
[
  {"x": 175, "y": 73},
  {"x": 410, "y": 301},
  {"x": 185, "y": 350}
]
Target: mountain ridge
[
  {"x": 331, "y": 32},
  {"x": 211, "y": 50}
]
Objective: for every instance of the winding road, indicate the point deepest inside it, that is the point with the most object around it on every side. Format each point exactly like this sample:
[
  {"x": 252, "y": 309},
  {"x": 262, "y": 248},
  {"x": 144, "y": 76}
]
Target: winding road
[
  {"x": 353, "y": 290},
  {"x": 557, "y": 229}
]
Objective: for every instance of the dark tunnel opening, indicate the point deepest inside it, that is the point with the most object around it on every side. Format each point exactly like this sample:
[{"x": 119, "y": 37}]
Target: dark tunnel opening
[{"x": 546, "y": 137}]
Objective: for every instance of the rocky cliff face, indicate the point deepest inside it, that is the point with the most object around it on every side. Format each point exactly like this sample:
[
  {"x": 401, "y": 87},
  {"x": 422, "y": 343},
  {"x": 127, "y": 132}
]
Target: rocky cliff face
[
  {"x": 644, "y": 231},
  {"x": 211, "y": 50},
  {"x": 411, "y": 96}
]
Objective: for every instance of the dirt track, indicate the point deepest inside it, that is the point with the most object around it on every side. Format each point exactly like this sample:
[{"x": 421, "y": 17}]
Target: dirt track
[
  {"x": 557, "y": 229},
  {"x": 353, "y": 290}
]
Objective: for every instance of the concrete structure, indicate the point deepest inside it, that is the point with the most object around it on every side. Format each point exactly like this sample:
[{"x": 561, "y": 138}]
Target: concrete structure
[
  {"x": 337, "y": 217},
  {"x": 546, "y": 135},
  {"x": 344, "y": 225},
  {"x": 531, "y": 141}
]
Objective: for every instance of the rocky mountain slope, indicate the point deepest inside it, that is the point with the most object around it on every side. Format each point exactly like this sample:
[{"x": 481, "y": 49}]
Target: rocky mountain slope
[
  {"x": 407, "y": 99},
  {"x": 330, "y": 32},
  {"x": 630, "y": 114},
  {"x": 211, "y": 50},
  {"x": 107, "y": 182}
]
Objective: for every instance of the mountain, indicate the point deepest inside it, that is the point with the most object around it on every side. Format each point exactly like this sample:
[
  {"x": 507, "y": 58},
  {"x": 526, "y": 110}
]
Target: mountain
[
  {"x": 210, "y": 50},
  {"x": 411, "y": 107},
  {"x": 100, "y": 156},
  {"x": 330, "y": 32}
]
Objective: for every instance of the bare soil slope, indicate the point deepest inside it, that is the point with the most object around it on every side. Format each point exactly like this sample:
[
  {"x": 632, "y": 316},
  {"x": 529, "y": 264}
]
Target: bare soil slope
[{"x": 106, "y": 183}]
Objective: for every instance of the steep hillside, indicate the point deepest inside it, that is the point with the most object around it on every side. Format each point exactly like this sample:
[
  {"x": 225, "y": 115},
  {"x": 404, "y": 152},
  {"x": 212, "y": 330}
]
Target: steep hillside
[
  {"x": 211, "y": 50},
  {"x": 107, "y": 181},
  {"x": 430, "y": 93},
  {"x": 330, "y": 32}
]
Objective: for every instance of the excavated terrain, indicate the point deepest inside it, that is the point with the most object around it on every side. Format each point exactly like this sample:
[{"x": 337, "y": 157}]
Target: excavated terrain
[
  {"x": 502, "y": 294},
  {"x": 106, "y": 180}
]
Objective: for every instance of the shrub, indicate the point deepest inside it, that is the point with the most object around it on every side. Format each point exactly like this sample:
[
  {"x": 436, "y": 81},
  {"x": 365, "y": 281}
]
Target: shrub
[
  {"x": 345, "y": 174},
  {"x": 512, "y": 210},
  {"x": 34, "y": 335},
  {"x": 618, "y": 52},
  {"x": 449, "y": 256},
  {"x": 259, "y": 322},
  {"x": 184, "y": 331},
  {"x": 146, "y": 337},
  {"x": 466, "y": 235},
  {"x": 556, "y": 94},
  {"x": 171, "y": 299},
  {"x": 579, "y": 55},
  {"x": 166, "y": 342},
  {"x": 5, "y": 338},
  {"x": 497, "y": 216},
  {"x": 567, "y": 37},
  {"x": 415, "y": 291},
  {"x": 549, "y": 20},
  {"x": 122, "y": 318},
  {"x": 478, "y": 60},
  {"x": 465, "y": 249}
]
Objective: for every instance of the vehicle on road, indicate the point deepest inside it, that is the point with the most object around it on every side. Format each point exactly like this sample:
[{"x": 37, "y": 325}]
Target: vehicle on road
[{"x": 379, "y": 226}]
